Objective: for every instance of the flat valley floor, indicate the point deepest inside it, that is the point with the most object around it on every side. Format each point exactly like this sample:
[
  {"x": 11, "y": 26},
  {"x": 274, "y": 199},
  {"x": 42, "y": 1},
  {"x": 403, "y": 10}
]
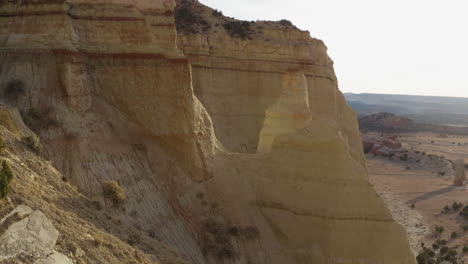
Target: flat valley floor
[{"x": 416, "y": 193}]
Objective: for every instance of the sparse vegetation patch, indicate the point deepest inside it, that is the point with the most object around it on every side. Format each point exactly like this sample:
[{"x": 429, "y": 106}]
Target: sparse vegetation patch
[
  {"x": 239, "y": 29},
  {"x": 6, "y": 176},
  {"x": 114, "y": 192},
  {"x": 2, "y": 145},
  {"x": 464, "y": 213},
  {"x": 286, "y": 22},
  {"x": 217, "y": 13},
  {"x": 218, "y": 238},
  {"x": 32, "y": 143},
  {"x": 36, "y": 119},
  {"x": 188, "y": 22},
  {"x": 429, "y": 256},
  {"x": 14, "y": 89}
]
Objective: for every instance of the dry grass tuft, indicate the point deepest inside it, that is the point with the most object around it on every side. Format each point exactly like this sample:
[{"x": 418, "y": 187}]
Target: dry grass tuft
[{"x": 114, "y": 192}]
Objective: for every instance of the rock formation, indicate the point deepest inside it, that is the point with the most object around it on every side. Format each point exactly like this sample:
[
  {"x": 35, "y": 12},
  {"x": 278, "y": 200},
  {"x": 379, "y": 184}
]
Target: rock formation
[
  {"x": 386, "y": 122},
  {"x": 290, "y": 113},
  {"x": 29, "y": 234},
  {"x": 459, "y": 172},
  {"x": 381, "y": 146},
  {"x": 272, "y": 171}
]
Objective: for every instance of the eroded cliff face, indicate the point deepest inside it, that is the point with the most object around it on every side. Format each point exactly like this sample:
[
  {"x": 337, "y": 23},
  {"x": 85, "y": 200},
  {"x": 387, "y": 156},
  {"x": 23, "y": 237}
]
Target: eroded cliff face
[
  {"x": 295, "y": 146},
  {"x": 271, "y": 172}
]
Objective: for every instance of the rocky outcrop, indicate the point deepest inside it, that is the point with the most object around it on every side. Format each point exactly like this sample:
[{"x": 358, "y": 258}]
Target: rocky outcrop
[
  {"x": 290, "y": 113},
  {"x": 386, "y": 122},
  {"x": 272, "y": 94},
  {"x": 28, "y": 234},
  {"x": 382, "y": 146},
  {"x": 391, "y": 123},
  {"x": 272, "y": 171}
]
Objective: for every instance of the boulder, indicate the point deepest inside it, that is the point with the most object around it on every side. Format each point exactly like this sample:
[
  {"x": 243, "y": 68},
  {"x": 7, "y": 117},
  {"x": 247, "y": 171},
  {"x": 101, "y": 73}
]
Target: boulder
[
  {"x": 25, "y": 232},
  {"x": 55, "y": 258}
]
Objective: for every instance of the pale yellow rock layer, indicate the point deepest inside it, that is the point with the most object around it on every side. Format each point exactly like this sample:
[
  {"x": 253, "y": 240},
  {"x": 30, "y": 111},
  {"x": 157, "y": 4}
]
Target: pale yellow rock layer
[{"x": 117, "y": 94}]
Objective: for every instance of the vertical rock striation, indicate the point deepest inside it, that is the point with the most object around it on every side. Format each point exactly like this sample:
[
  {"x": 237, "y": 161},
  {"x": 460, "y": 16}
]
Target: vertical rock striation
[
  {"x": 271, "y": 172},
  {"x": 298, "y": 171}
]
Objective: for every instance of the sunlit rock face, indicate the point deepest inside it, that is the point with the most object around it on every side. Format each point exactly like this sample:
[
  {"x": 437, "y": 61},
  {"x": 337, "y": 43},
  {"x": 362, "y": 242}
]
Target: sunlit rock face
[
  {"x": 231, "y": 149},
  {"x": 297, "y": 169},
  {"x": 290, "y": 113}
]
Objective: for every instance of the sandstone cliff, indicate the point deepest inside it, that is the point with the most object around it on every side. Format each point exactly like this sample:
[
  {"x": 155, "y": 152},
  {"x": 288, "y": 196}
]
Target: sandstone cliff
[{"x": 271, "y": 172}]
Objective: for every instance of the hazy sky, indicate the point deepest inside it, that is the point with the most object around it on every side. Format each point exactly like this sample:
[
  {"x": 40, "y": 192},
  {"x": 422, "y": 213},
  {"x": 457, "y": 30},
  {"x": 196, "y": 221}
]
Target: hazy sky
[{"x": 393, "y": 46}]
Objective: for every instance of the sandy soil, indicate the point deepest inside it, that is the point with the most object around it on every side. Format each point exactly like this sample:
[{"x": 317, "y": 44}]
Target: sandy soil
[
  {"x": 452, "y": 148},
  {"x": 401, "y": 188}
]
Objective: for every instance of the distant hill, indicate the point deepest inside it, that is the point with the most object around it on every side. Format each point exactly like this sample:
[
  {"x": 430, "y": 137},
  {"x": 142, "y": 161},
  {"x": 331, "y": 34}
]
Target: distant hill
[
  {"x": 386, "y": 122},
  {"x": 391, "y": 123},
  {"x": 422, "y": 109}
]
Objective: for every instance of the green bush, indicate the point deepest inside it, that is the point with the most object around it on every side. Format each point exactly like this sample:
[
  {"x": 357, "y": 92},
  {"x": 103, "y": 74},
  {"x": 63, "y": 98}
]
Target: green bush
[
  {"x": 6, "y": 175},
  {"x": 465, "y": 249}
]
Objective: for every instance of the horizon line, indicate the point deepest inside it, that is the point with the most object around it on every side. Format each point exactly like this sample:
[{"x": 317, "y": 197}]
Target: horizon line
[{"x": 406, "y": 95}]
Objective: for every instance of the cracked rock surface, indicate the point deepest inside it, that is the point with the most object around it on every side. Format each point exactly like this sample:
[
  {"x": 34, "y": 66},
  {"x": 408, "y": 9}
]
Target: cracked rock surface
[{"x": 29, "y": 235}]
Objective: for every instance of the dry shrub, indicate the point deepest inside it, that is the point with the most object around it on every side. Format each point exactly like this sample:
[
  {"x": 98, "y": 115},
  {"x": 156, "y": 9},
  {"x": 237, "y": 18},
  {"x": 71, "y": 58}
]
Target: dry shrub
[
  {"x": 217, "y": 239},
  {"x": 13, "y": 90},
  {"x": 217, "y": 242},
  {"x": 6, "y": 176},
  {"x": 286, "y": 23},
  {"x": 32, "y": 143},
  {"x": 239, "y": 29},
  {"x": 188, "y": 22},
  {"x": 2, "y": 145},
  {"x": 114, "y": 192},
  {"x": 98, "y": 240},
  {"x": 217, "y": 13}
]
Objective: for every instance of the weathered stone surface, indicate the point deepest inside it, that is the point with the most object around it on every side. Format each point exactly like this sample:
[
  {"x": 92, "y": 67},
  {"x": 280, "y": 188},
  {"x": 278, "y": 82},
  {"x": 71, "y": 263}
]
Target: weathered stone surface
[
  {"x": 55, "y": 258},
  {"x": 382, "y": 146},
  {"x": 25, "y": 232},
  {"x": 290, "y": 113},
  {"x": 11, "y": 119},
  {"x": 386, "y": 122},
  {"x": 120, "y": 94},
  {"x": 459, "y": 172},
  {"x": 298, "y": 172}
]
